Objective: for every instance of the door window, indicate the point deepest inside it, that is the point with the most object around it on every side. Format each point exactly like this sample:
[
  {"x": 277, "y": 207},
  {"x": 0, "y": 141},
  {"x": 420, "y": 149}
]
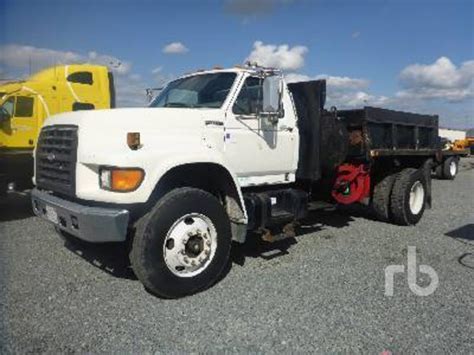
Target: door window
[
  {"x": 249, "y": 101},
  {"x": 24, "y": 106}
]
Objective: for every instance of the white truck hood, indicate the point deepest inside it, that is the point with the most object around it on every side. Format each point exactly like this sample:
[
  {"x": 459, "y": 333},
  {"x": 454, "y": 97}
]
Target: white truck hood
[
  {"x": 102, "y": 134},
  {"x": 169, "y": 137},
  {"x": 137, "y": 118}
]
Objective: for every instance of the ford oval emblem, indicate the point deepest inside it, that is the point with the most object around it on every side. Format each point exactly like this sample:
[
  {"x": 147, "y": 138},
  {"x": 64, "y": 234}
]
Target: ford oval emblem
[{"x": 51, "y": 157}]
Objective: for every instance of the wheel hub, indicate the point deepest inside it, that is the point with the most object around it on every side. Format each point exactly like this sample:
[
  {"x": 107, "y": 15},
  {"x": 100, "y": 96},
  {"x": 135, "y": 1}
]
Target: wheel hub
[
  {"x": 452, "y": 168},
  {"x": 417, "y": 197},
  {"x": 190, "y": 245},
  {"x": 194, "y": 246}
]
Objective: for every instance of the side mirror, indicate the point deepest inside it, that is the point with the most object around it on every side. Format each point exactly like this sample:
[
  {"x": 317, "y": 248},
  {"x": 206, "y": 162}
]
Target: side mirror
[{"x": 272, "y": 92}]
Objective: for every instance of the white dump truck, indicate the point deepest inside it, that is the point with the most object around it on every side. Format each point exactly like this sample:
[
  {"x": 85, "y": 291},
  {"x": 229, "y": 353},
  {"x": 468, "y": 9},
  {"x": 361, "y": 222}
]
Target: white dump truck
[{"x": 219, "y": 153}]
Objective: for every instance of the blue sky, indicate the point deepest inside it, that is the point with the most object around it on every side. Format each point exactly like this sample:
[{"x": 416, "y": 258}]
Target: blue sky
[{"x": 415, "y": 55}]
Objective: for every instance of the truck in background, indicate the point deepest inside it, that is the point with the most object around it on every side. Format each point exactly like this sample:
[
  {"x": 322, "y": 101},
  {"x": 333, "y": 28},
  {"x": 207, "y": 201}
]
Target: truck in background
[
  {"x": 24, "y": 105},
  {"x": 447, "y": 166},
  {"x": 219, "y": 153}
]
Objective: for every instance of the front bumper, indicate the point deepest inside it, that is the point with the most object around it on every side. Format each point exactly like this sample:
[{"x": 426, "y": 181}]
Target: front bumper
[{"x": 92, "y": 224}]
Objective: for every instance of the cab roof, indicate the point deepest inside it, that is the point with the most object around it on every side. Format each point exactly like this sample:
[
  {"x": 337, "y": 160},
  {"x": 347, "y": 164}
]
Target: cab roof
[{"x": 251, "y": 69}]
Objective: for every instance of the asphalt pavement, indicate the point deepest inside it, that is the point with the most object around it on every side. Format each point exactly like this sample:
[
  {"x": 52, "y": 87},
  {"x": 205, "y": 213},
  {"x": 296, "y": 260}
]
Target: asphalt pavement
[{"x": 323, "y": 291}]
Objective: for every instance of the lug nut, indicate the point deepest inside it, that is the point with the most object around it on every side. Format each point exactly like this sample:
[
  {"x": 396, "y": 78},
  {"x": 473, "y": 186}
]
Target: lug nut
[
  {"x": 193, "y": 263},
  {"x": 186, "y": 260},
  {"x": 208, "y": 243}
]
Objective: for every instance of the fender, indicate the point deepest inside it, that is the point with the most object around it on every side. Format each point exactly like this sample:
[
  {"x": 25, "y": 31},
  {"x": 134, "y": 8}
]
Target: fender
[
  {"x": 196, "y": 158},
  {"x": 234, "y": 200}
]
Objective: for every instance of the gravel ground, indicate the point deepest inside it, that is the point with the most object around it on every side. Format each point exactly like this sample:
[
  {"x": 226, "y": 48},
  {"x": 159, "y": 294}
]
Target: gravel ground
[{"x": 321, "y": 292}]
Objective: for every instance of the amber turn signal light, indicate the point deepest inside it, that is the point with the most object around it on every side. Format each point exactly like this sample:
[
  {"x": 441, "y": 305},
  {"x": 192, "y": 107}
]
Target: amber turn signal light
[{"x": 120, "y": 179}]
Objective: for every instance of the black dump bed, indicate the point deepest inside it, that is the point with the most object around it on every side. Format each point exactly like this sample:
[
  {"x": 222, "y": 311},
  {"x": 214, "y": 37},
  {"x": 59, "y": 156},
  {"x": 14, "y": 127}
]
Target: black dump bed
[
  {"x": 328, "y": 138},
  {"x": 378, "y": 131}
]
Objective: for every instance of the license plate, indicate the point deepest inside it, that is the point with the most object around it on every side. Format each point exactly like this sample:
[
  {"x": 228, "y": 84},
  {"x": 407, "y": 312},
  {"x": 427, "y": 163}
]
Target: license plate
[{"x": 51, "y": 214}]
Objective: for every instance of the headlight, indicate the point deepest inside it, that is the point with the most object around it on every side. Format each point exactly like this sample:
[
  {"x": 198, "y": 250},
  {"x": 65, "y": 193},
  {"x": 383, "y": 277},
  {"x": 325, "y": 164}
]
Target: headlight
[{"x": 121, "y": 179}]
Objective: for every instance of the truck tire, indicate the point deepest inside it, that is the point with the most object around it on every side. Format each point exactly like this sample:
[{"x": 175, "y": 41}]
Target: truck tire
[
  {"x": 409, "y": 195},
  {"x": 450, "y": 168},
  {"x": 183, "y": 244},
  {"x": 439, "y": 171},
  {"x": 381, "y": 198}
]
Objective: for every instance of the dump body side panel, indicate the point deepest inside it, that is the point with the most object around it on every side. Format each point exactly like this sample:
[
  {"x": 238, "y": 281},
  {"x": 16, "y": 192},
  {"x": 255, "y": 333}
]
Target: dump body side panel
[{"x": 375, "y": 131}]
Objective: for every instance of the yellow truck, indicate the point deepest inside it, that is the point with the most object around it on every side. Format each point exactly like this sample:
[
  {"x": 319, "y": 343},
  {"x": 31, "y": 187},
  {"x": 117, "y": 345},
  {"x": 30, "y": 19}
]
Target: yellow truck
[{"x": 24, "y": 106}]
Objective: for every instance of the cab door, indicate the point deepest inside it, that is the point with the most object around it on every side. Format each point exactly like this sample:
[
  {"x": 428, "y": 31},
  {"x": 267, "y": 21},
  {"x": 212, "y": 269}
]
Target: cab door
[
  {"x": 258, "y": 149},
  {"x": 21, "y": 130}
]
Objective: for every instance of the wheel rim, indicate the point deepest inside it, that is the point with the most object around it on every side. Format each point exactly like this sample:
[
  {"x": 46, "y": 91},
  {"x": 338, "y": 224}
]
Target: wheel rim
[
  {"x": 417, "y": 197},
  {"x": 190, "y": 245},
  {"x": 452, "y": 168}
]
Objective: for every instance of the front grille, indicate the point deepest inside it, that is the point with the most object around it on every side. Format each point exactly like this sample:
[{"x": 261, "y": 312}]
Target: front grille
[{"x": 56, "y": 159}]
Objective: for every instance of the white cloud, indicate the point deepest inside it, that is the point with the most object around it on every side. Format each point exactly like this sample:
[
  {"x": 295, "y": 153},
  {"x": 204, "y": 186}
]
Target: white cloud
[
  {"x": 344, "y": 82},
  {"x": 19, "y": 57},
  {"x": 279, "y": 56},
  {"x": 160, "y": 78},
  {"x": 440, "y": 80},
  {"x": 297, "y": 77},
  {"x": 354, "y": 99},
  {"x": 175, "y": 48},
  {"x": 157, "y": 70},
  {"x": 130, "y": 88},
  {"x": 130, "y": 91},
  {"x": 339, "y": 82},
  {"x": 343, "y": 91},
  {"x": 135, "y": 76},
  {"x": 118, "y": 66},
  {"x": 355, "y": 34}
]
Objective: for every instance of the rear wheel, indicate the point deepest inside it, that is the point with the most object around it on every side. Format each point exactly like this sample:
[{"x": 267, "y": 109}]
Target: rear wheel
[
  {"x": 408, "y": 198},
  {"x": 450, "y": 168},
  {"x": 183, "y": 244},
  {"x": 381, "y": 198},
  {"x": 439, "y": 171}
]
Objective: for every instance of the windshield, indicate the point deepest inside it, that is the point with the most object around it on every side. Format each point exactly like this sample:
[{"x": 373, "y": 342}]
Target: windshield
[{"x": 204, "y": 90}]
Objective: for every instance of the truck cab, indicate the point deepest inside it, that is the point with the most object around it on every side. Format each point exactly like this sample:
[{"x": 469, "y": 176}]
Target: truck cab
[{"x": 25, "y": 105}]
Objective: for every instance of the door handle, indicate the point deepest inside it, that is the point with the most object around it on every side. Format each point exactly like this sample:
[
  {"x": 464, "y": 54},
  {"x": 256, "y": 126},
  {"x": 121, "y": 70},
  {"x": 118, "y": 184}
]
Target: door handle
[
  {"x": 286, "y": 128},
  {"x": 214, "y": 123}
]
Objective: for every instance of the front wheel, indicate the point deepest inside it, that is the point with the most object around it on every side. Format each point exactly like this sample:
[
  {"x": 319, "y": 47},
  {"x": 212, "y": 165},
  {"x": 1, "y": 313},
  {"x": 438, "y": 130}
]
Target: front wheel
[{"x": 183, "y": 244}]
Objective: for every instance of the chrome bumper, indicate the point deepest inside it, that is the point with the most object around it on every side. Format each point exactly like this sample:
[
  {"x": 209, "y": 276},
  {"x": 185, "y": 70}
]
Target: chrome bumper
[{"x": 92, "y": 224}]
